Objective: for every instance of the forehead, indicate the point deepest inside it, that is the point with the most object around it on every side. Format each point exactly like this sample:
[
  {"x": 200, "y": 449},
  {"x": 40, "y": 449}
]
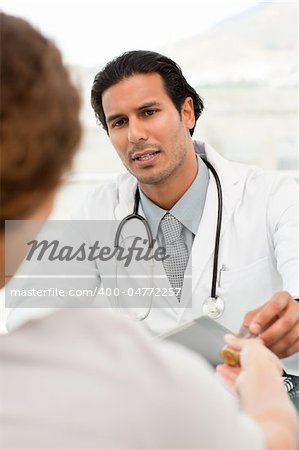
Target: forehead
[{"x": 133, "y": 92}]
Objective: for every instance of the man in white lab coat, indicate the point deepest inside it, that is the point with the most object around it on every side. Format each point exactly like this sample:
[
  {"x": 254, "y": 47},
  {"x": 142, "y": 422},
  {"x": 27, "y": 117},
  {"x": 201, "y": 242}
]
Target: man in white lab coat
[
  {"x": 251, "y": 274},
  {"x": 149, "y": 112}
]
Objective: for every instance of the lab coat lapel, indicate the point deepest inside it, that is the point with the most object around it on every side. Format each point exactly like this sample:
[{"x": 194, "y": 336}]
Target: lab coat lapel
[{"x": 204, "y": 241}]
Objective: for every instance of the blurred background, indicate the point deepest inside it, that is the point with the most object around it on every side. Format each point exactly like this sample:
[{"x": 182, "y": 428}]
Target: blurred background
[{"x": 240, "y": 56}]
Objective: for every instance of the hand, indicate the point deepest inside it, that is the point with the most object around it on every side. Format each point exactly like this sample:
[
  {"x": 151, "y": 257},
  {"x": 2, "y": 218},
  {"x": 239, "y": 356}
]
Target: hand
[
  {"x": 262, "y": 392},
  {"x": 253, "y": 357},
  {"x": 277, "y": 324}
]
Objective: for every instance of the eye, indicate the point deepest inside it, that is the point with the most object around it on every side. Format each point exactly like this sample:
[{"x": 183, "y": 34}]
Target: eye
[
  {"x": 149, "y": 112},
  {"x": 118, "y": 123}
]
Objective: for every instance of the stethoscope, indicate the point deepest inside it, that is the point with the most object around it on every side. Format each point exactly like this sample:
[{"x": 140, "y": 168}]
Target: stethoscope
[{"x": 212, "y": 306}]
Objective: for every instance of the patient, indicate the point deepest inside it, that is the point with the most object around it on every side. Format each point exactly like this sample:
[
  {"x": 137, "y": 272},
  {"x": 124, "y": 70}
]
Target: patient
[{"x": 89, "y": 378}]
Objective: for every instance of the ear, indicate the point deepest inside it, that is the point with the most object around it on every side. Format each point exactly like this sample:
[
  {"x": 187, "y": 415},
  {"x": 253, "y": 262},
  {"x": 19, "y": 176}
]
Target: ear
[{"x": 187, "y": 113}]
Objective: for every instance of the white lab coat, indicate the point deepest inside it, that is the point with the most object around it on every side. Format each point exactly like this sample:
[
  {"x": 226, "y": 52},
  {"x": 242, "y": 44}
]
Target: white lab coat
[{"x": 258, "y": 248}]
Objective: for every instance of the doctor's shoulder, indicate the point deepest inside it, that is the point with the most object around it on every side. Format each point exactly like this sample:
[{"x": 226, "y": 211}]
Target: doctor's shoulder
[
  {"x": 266, "y": 186},
  {"x": 101, "y": 201},
  {"x": 279, "y": 193}
]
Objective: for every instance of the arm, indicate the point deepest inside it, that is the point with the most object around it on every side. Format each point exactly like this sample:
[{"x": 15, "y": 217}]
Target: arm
[
  {"x": 262, "y": 392},
  {"x": 278, "y": 319}
]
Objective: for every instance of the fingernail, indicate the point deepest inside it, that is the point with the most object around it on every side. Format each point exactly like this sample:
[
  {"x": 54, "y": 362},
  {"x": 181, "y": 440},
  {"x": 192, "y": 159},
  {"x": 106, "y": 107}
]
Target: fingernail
[{"x": 255, "y": 328}]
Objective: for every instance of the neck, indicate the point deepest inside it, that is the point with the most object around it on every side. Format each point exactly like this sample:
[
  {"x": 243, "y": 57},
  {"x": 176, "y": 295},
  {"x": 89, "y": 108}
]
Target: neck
[{"x": 168, "y": 192}]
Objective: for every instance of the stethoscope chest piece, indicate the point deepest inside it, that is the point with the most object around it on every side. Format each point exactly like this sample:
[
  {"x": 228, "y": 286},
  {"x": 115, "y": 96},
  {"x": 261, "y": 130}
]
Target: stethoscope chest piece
[{"x": 213, "y": 307}]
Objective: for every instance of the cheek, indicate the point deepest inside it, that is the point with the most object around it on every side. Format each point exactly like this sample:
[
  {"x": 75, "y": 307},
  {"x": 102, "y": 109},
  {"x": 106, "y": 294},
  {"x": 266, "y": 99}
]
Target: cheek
[
  {"x": 162, "y": 131},
  {"x": 173, "y": 137},
  {"x": 167, "y": 123},
  {"x": 172, "y": 125}
]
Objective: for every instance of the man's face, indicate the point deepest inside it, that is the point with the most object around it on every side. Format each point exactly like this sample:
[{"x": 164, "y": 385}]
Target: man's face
[{"x": 150, "y": 136}]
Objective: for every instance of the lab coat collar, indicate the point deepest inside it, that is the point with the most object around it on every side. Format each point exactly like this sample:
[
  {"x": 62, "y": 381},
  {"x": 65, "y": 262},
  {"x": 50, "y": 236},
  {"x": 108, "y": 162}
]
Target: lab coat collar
[{"x": 204, "y": 241}]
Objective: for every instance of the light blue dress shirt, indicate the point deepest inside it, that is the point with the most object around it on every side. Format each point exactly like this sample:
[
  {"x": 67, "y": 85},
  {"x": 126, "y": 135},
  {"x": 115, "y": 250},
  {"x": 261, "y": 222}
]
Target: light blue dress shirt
[{"x": 188, "y": 210}]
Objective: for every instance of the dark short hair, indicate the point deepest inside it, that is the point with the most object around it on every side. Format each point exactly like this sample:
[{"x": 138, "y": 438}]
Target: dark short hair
[
  {"x": 39, "y": 112},
  {"x": 144, "y": 62}
]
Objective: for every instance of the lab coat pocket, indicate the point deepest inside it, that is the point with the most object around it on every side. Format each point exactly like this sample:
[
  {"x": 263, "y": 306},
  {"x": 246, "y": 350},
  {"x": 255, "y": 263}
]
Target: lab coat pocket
[{"x": 245, "y": 289}]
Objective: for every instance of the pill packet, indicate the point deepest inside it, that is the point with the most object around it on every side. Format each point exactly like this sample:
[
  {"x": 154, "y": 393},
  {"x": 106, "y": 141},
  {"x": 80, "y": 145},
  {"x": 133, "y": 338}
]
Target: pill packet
[{"x": 231, "y": 356}]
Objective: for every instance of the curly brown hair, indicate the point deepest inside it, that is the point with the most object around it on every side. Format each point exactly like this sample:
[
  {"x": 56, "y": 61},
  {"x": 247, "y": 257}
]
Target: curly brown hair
[{"x": 39, "y": 113}]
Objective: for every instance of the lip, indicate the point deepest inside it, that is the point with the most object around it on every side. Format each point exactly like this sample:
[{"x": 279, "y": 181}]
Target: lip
[
  {"x": 147, "y": 162},
  {"x": 145, "y": 152}
]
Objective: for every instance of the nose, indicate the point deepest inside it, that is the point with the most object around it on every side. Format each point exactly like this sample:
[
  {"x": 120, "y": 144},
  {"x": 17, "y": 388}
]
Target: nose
[{"x": 136, "y": 131}]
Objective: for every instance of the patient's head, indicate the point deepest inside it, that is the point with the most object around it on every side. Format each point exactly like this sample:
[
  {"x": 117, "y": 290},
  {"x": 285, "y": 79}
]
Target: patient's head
[
  {"x": 39, "y": 116},
  {"x": 39, "y": 113}
]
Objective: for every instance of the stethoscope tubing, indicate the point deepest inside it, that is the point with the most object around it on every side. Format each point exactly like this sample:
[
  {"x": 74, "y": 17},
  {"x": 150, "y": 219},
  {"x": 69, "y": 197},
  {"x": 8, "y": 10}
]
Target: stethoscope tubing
[
  {"x": 218, "y": 226},
  {"x": 137, "y": 216}
]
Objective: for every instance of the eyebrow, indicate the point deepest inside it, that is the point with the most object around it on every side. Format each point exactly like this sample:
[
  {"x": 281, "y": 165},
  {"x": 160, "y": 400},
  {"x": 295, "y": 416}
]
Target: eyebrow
[{"x": 112, "y": 117}]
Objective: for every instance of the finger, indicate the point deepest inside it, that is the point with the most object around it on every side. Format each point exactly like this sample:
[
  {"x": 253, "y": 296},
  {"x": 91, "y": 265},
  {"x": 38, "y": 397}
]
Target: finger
[
  {"x": 286, "y": 341},
  {"x": 233, "y": 341},
  {"x": 283, "y": 325},
  {"x": 293, "y": 349},
  {"x": 249, "y": 316},
  {"x": 230, "y": 371},
  {"x": 227, "y": 376},
  {"x": 255, "y": 354},
  {"x": 288, "y": 345},
  {"x": 256, "y": 329},
  {"x": 244, "y": 331},
  {"x": 237, "y": 343},
  {"x": 273, "y": 308}
]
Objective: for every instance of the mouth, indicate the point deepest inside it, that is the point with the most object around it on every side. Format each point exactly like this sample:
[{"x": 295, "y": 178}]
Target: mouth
[{"x": 145, "y": 156}]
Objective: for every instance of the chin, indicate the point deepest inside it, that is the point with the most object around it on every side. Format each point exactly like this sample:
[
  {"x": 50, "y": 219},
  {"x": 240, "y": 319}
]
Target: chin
[{"x": 152, "y": 179}]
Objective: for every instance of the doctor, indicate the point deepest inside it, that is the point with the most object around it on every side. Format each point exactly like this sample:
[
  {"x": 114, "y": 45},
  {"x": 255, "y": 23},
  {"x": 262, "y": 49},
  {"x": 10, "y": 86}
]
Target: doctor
[{"x": 149, "y": 112}]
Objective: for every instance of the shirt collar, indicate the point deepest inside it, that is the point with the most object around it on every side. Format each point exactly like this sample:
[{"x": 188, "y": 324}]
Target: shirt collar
[{"x": 188, "y": 210}]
